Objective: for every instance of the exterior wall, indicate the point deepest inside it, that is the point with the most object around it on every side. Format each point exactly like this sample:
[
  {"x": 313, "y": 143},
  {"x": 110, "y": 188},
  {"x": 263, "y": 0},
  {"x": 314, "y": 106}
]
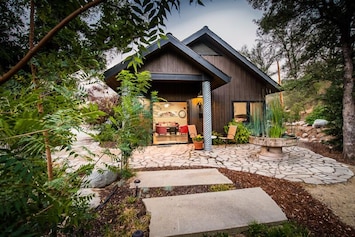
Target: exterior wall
[
  {"x": 170, "y": 62},
  {"x": 243, "y": 87}
]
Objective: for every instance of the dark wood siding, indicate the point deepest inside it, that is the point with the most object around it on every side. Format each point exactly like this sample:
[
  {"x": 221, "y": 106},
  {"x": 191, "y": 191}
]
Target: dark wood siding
[
  {"x": 170, "y": 62},
  {"x": 243, "y": 87}
]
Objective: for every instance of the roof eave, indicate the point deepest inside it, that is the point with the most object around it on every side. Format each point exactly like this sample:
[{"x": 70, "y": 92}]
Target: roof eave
[{"x": 206, "y": 31}]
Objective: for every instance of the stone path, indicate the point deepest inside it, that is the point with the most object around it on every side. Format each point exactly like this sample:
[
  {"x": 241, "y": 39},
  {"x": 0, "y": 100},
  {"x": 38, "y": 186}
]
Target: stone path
[
  {"x": 301, "y": 164},
  {"x": 198, "y": 214}
]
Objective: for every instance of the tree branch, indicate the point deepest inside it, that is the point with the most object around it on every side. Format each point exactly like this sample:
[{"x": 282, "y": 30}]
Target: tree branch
[{"x": 46, "y": 38}]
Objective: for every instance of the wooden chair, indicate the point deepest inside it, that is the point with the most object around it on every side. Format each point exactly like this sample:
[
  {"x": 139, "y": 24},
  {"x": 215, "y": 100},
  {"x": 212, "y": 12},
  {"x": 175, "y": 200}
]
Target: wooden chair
[
  {"x": 230, "y": 135},
  {"x": 192, "y": 131}
]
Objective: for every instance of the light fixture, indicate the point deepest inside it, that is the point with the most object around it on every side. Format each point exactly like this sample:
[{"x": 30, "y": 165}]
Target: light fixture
[{"x": 136, "y": 183}]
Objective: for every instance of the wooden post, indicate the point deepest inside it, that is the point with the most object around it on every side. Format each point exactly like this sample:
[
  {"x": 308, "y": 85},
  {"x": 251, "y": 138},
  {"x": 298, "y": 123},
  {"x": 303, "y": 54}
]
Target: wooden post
[{"x": 279, "y": 80}]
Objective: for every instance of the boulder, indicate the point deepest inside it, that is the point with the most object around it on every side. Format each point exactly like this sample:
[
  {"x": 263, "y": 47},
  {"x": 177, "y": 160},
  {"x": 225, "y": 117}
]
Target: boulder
[
  {"x": 319, "y": 123},
  {"x": 100, "y": 178}
]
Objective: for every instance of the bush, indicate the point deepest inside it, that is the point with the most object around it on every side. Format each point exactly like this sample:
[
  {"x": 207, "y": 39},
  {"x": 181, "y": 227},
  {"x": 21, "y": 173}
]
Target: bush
[
  {"x": 34, "y": 206},
  {"x": 319, "y": 112},
  {"x": 242, "y": 134}
]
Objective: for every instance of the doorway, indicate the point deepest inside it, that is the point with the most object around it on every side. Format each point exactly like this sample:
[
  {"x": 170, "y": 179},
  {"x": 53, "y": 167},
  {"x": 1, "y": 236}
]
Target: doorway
[{"x": 170, "y": 121}]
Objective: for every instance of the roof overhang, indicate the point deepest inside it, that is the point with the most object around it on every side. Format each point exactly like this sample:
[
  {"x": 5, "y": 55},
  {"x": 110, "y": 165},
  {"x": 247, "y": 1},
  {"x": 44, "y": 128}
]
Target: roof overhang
[
  {"x": 206, "y": 35},
  {"x": 208, "y": 71}
]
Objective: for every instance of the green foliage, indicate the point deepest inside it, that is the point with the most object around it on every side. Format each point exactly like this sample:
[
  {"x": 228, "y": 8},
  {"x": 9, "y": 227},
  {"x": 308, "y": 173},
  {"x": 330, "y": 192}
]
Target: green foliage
[
  {"x": 286, "y": 229},
  {"x": 333, "y": 113},
  {"x": 242, "y": 134},
  {"x": 33, "y": 205},
  {"x": 257, "y": 124},
  {"x": 309, "y": 34},
  {"x": 319, "y": 112},
  {"x": 221, "y": 187},
  {"x": 275, "y": 116},
  {"x": 130, "y": 125},
  {"x": 270, "y": 125},
  {"x": 217, "y": 141}
]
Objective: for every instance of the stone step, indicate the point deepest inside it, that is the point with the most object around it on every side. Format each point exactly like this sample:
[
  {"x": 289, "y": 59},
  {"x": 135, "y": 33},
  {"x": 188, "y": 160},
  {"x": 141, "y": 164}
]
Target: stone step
[
  {"x": 209, "y": 213},
  {"x": 187, "y": 177}
]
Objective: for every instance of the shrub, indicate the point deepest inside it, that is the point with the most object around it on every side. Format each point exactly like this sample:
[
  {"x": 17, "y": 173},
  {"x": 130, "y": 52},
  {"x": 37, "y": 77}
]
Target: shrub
[
  {"x": 242, "y": 134},
  {"x": 319, "y": 112}
]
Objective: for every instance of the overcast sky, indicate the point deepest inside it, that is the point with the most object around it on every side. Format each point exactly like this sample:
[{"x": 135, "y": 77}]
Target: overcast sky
[{"x": 232, "y": 20}]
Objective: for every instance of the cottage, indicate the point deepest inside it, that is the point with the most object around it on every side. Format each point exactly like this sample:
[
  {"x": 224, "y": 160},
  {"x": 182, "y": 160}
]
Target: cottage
[{"x": 205, "y": 82}]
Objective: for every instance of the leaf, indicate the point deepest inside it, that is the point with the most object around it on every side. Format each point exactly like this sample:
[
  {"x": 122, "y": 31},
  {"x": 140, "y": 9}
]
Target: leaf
[{"x": 149, "y": 7}]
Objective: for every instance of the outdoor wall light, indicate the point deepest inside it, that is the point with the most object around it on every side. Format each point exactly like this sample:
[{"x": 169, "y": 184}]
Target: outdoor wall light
[{"x": 136, "y": 182}]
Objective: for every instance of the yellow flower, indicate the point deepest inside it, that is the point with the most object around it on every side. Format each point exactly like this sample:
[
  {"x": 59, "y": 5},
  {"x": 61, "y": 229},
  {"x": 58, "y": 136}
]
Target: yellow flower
[{"x": 198, "y": 138}]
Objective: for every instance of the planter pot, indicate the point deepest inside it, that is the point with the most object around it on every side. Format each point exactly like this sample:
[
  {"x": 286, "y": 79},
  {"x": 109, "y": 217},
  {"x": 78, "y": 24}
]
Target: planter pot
[
  {"x": 198, "y": 145},
  {"x": 272, "y": 147}
]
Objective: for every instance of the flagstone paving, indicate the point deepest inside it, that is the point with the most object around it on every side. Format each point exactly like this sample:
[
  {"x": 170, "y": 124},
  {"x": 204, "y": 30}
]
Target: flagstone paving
[{"x": 299, "y": 164}]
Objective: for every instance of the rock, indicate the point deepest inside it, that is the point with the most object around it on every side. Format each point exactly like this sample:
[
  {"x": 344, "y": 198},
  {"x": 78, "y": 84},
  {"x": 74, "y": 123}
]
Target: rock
[
  {"x": 304, "y": 135},
  {"x": 304, "y": 139},
  {"x": 100, "y": 178},
  {"x": 318, "y": 123},
  {"x": 307, "y": 129},
  {"x": 95, "y": 200}
]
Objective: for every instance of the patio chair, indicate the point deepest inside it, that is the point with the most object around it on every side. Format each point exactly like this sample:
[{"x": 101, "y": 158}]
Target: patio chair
[
  {"x": 192, "y": 131},
  {"x": 230, "y": 135}
]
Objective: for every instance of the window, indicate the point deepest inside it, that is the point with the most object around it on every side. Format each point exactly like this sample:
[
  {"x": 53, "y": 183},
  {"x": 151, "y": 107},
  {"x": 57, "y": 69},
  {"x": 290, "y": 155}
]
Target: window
[
  {"x": 243, "y": 111},
  {"x": 256, "y": 109},
  {"x": 240, "y": 111}
]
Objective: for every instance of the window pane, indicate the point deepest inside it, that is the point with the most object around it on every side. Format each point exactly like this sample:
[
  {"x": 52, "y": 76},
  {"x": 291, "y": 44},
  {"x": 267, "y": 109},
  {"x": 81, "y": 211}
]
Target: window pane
[
  {"x": 240, "y": 111},
  {"x": 256, "y": 109}
]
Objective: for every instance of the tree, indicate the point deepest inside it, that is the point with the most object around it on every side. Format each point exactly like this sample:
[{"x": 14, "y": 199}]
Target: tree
[
  {"x": 142, "y": 22},
  {"x": 322, "y": 27},
  {"x": 132, "y": 118},
  {"x": 262, "y": 56},
  {"x": 64, "y": 38}
]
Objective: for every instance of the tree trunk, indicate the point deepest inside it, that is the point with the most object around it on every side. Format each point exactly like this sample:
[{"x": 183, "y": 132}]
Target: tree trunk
[
  {"x": 35, "y": 82},
  {"x": 348, "y": 105},
  {"x": 46, "y": 38}
]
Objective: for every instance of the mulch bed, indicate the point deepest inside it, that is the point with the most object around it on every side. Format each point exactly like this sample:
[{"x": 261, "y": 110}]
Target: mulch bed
[{"x": 298, "y": 205}]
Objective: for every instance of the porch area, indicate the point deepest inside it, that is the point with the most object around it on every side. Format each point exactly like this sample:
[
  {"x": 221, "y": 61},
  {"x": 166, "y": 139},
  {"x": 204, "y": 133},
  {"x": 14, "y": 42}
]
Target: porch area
[{"x": 301, "y": 164}]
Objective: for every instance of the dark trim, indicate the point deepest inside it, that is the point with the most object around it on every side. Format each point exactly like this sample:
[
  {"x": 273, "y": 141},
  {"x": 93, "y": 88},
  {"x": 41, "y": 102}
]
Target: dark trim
[
  {"x": 176, "y": 77},
  {"x": 205, "y": 31}
]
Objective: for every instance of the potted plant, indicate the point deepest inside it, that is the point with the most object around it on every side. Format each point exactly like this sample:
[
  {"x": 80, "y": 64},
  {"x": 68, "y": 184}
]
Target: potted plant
[
  {"x": 198, "y": 142},
  {"x": 269, "y": 131}
]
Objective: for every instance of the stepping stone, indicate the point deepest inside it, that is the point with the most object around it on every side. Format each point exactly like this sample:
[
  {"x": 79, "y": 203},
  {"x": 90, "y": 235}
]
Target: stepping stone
[
  {"x": 170, "y": 178},
  {"x": 208, "y": 213}
]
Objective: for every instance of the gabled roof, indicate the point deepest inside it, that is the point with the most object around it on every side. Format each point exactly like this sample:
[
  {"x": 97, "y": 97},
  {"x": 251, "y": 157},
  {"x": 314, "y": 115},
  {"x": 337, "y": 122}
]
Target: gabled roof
[
  {"x": 205, "y": 34},
  {"x": 219, "y": 77}
]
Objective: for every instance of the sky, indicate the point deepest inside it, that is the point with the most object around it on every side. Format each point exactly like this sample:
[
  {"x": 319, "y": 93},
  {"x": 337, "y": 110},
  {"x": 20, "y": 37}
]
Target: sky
[{"x": 232, "y": 20}]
